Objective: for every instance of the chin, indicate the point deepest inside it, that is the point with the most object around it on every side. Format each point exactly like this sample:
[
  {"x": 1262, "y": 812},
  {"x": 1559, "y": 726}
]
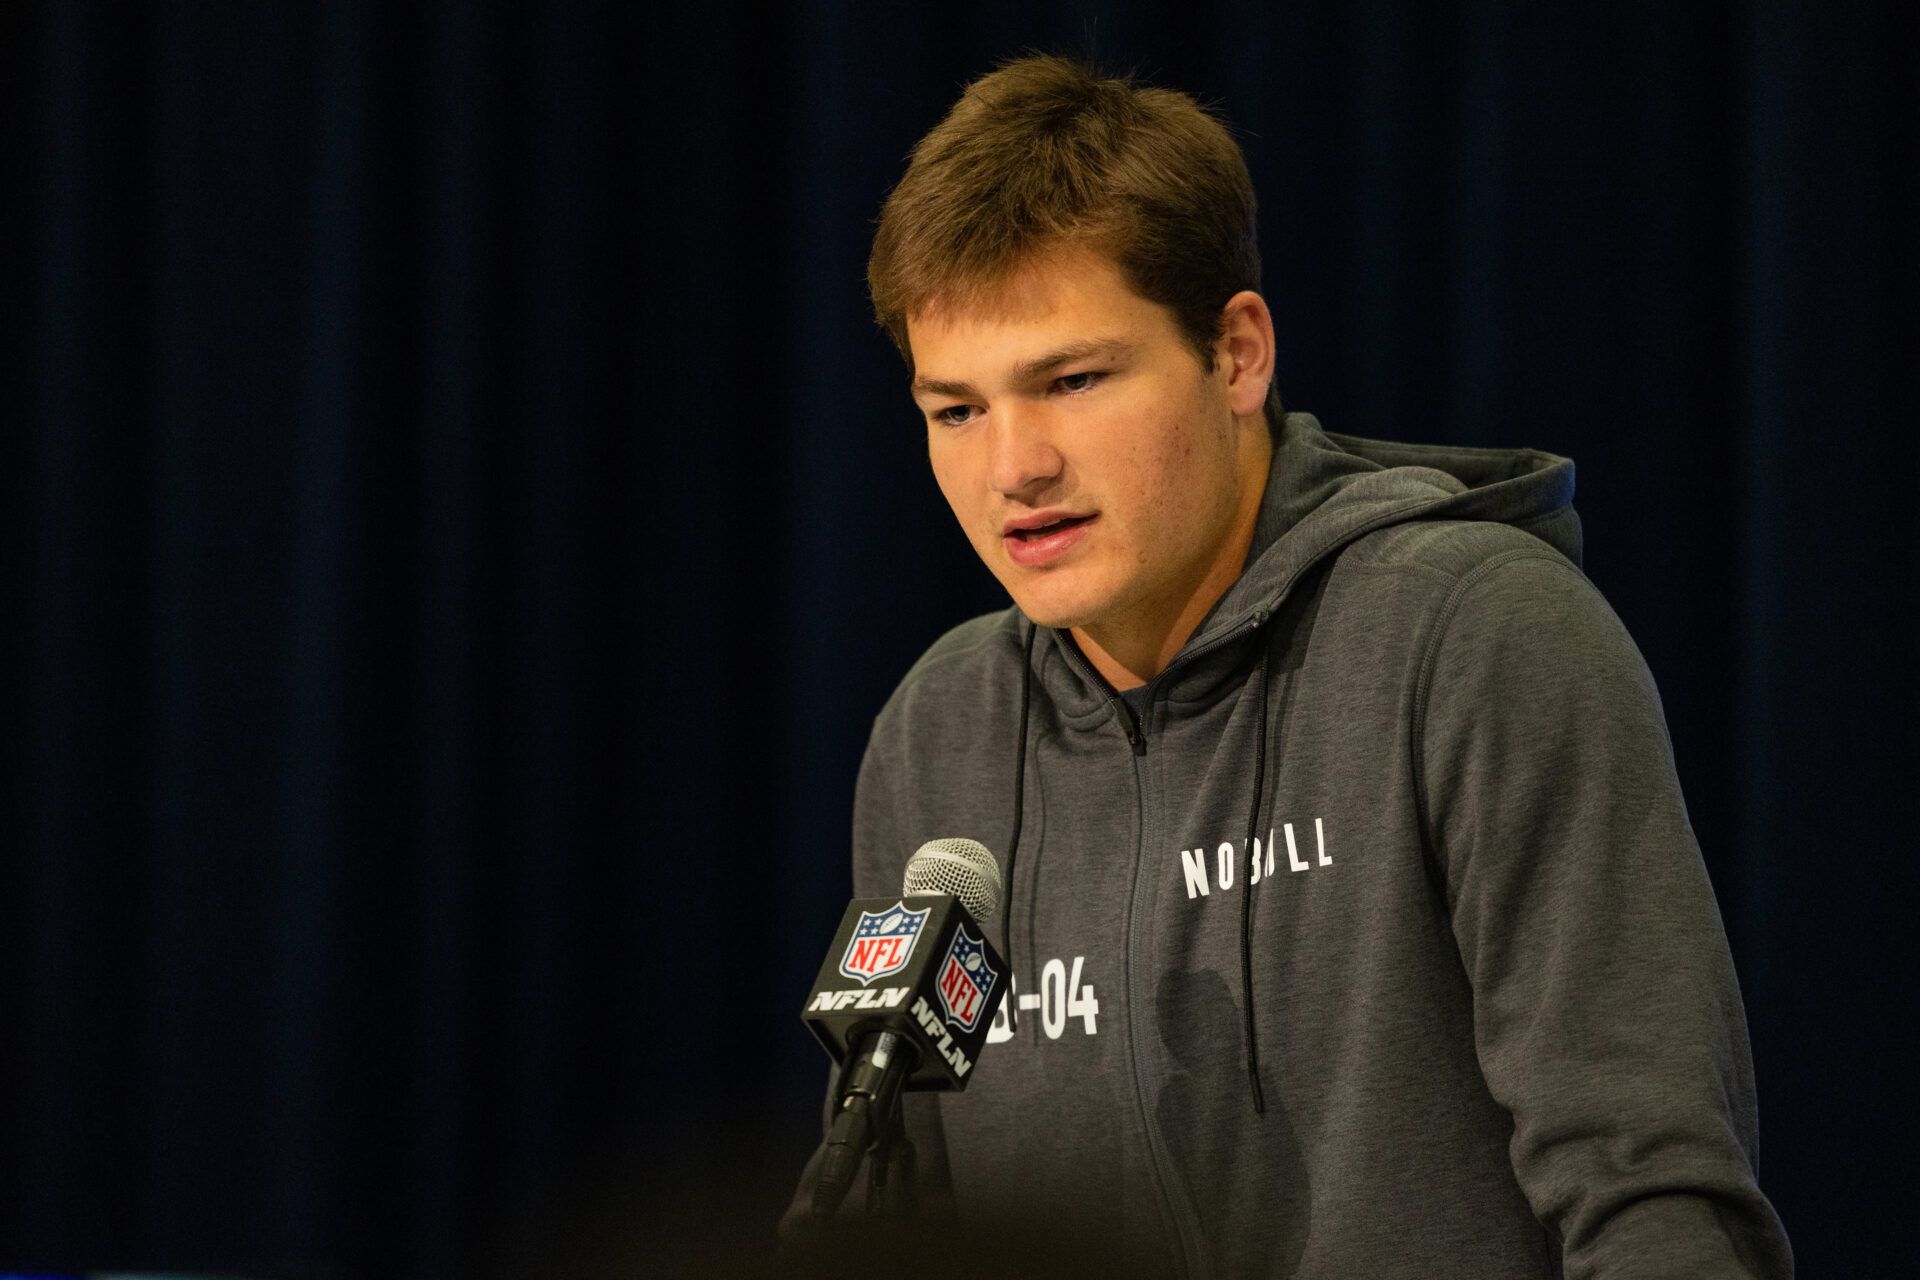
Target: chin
[{"x": 1054, "y": 609}]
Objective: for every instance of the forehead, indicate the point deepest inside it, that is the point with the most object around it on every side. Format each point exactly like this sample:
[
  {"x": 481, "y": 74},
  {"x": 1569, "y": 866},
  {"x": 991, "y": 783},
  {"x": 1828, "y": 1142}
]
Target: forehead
[{"x": 1058, "y": 298}]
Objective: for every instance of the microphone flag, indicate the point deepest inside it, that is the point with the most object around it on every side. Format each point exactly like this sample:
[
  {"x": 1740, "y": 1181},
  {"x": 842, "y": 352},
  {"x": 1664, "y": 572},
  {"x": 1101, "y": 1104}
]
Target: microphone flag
[{"x": 917, "y": 965}]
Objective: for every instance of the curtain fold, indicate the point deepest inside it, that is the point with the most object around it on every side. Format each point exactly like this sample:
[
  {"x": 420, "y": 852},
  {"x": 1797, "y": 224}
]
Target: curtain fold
[{"x": 462, "y": 521}]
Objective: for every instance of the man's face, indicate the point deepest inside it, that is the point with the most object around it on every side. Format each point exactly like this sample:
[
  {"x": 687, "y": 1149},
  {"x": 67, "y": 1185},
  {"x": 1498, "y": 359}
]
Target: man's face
[{"x": 1089, "y": 457}]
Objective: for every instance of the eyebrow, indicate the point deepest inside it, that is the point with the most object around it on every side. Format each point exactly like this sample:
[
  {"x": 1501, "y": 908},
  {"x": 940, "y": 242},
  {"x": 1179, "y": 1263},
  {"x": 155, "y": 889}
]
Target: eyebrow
[{"x": 1029, "y": 370}]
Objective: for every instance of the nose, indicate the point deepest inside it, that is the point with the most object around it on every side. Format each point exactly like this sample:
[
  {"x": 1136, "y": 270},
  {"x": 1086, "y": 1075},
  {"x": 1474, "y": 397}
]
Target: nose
[{"x": 1024, "y": 461}]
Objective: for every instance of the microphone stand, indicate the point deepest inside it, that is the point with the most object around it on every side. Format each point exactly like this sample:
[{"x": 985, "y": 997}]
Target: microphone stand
[
  {"x": 893, "y": 1177},
  {"x": 868, "y": 1121}
]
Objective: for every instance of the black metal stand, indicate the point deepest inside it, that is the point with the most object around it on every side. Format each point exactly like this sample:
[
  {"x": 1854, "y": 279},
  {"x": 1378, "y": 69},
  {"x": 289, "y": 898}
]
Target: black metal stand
[
  {"x": 868, "y": 1128},
  {"x": 893, "y": 1191}
]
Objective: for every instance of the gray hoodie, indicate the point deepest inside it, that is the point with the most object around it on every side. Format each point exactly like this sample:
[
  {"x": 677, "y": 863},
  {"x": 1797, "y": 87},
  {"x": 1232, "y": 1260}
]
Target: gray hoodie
[{"x": 1407, "y": 798}]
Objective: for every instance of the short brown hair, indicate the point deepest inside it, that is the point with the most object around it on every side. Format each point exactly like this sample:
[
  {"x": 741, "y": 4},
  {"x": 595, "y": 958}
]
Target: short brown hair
[{"x": 1044, "y": 152}]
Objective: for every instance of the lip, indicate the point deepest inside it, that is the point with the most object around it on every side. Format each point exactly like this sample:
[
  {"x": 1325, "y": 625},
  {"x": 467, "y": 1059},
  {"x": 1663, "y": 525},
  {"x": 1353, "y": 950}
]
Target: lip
[
  {"x": 1033, "y": 553},
  {"x": 1051, "y": 515}
]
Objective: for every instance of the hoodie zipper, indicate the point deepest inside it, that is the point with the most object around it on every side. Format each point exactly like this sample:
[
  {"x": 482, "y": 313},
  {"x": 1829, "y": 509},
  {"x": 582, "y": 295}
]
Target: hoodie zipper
[
  {"x": 1136, "y": 736},
  {"x": 1157, "y": 1158}
]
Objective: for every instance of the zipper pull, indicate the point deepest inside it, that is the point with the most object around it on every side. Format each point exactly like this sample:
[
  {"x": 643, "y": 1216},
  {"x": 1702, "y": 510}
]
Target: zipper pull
[{"x": 1130, "y": 724}]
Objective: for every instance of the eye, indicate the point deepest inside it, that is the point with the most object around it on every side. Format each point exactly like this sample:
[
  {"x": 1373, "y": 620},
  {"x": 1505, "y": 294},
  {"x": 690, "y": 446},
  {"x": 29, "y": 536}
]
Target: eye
[
  {"x": 1075, "y": 383},
  {"x": 956, "y": 415}
]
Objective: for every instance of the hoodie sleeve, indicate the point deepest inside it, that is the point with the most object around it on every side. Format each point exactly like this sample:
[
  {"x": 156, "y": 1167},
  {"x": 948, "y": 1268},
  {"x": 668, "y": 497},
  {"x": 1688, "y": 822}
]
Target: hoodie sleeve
[
  {"x": 878, "y": 858},
  {"x": 1607, "y": 1018}
]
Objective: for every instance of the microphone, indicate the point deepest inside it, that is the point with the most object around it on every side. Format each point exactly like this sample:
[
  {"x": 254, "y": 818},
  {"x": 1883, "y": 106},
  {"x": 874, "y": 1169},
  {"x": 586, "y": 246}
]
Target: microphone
[{"x": 904, "y": 999}]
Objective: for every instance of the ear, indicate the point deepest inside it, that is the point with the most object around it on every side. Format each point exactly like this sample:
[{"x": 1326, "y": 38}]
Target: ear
[{"x": 1245, "y": 351}]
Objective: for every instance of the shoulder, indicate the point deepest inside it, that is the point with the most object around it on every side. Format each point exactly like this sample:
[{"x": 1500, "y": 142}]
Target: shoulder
[
  {"x": 1490, "y": 596},
  {"x": 938, "y": 755},
  {"x": 977, "y": 640},
  {"x": 1517, "y": 624},
  {"x": 985, "y": 647},
  {"x": 1415, "y": 580},
  {"x": 960, "y": 674},
  {"x": 1456, "y": 550}
]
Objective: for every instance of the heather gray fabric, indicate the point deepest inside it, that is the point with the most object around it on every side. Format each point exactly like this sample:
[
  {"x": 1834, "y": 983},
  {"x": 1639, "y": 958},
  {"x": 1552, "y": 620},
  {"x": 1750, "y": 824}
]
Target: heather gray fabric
[{"x": 1498, "y": 1027}]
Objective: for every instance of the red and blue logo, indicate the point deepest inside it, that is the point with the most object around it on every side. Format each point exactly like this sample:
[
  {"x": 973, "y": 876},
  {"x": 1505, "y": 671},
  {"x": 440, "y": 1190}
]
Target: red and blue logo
[
  {"x": 883, "y": 942},
  {"x": 966, "y": 980}
]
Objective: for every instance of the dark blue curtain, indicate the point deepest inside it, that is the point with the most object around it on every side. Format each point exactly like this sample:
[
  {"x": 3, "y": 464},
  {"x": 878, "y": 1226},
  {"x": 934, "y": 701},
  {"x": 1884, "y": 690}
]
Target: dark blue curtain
[{"x": 460, "y": 520}]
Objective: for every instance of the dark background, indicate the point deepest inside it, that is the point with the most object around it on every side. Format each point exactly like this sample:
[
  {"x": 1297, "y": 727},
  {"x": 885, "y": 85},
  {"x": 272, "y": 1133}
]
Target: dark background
[{"x": 459, "y": 523}]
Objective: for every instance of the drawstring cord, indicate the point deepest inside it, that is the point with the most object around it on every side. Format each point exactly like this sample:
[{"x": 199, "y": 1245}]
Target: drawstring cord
[
  {"x": 1246, "y": 896},
  {"x": 1019, "y": 785}
]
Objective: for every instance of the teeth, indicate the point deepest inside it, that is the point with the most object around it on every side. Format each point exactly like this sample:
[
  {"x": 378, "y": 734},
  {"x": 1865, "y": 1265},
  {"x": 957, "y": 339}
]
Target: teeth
[{"x": 1042, "y": 531}]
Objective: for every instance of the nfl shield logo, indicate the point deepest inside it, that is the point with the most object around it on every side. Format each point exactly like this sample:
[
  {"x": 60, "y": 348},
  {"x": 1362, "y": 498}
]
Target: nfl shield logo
[
  {"x": 882, "y": 942},
  {"x": 966, "y": 980}
]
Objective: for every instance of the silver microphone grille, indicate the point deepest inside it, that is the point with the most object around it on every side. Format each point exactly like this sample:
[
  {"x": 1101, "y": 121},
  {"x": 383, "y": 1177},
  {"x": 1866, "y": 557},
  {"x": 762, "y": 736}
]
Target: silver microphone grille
[{"x": 960, "y": 867}]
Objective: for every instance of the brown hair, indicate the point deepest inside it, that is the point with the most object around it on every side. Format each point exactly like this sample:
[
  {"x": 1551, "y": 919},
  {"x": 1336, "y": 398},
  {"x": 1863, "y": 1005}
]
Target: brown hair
[{"x": 1045, "y": 152}]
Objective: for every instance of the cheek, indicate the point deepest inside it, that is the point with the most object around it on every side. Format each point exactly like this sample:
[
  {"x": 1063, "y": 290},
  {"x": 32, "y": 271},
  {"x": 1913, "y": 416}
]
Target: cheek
[
  {"x": 946, "y": 473},
  {"x": 959, "y": 484},
  {"x": 1176, "y": 483},
  {"x": 1158, "y": 474}
]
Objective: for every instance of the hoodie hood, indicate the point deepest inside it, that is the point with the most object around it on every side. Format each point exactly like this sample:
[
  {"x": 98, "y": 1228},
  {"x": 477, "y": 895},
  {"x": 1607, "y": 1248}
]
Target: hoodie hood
[{"x": 1324, "y": 490}]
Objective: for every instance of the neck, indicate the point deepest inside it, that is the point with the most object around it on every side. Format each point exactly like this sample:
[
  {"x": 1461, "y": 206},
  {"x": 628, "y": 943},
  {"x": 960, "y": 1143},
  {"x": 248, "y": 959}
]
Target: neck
[{"x": 1133, "y": 650}]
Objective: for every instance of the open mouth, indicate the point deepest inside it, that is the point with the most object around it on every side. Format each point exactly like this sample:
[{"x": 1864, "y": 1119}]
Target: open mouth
[{"x": 1048, "y": 530}]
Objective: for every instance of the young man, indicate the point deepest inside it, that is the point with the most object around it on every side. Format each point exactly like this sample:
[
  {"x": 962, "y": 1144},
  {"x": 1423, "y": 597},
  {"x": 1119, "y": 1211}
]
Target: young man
[{"x": 1356, "y": 925}]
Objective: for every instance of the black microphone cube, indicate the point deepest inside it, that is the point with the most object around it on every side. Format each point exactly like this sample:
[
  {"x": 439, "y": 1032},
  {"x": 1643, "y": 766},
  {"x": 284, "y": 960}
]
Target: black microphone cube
[{"x": 916, "y": 965}]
